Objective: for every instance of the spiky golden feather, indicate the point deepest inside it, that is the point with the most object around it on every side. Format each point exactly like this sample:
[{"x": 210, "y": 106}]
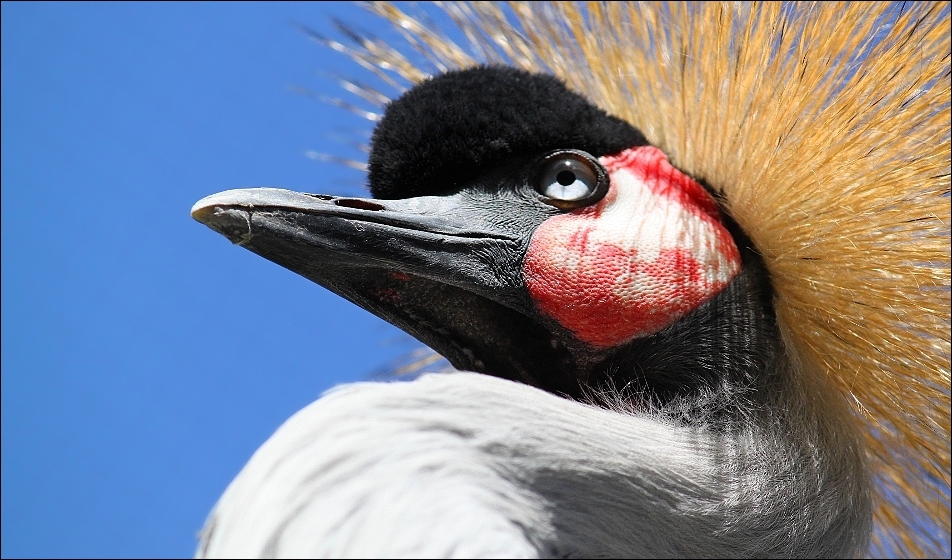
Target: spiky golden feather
[{"x": 826, "y": 128}]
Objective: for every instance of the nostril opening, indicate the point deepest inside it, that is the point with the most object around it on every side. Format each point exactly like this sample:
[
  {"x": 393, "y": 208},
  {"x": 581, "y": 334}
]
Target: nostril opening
[{"x": 358, "y": 204}]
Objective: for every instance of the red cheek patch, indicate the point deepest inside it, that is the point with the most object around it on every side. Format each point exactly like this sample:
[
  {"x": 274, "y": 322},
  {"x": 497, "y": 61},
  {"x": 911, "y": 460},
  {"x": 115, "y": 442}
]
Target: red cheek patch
[{"x": 641, "y": 258}]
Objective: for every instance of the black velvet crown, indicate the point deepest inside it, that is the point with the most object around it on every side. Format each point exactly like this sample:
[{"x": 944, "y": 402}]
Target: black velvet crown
[{"x": 451, "y": 128}]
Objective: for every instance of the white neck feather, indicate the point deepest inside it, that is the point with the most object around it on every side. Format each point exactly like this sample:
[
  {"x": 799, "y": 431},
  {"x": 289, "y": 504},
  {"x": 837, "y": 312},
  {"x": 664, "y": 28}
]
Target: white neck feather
[{"x": 467, "y": 465}]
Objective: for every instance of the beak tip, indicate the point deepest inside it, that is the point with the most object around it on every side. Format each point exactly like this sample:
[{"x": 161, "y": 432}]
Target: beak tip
[
  {"x": 216, "y": 212},
  {"x": 204, "y": 209},
  {"x": 202, "y": 212}
]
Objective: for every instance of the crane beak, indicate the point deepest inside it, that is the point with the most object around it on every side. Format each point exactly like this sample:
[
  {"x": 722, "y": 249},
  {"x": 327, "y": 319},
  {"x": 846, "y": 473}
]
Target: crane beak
[{"x": 433, "y": 266}]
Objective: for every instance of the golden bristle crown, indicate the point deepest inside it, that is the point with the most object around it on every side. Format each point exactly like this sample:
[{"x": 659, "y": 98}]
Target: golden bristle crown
[{"x": 826, "y": 127}]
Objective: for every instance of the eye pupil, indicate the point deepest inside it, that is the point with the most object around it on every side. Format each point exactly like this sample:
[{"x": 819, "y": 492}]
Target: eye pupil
[{"x": 565, "y": 178}]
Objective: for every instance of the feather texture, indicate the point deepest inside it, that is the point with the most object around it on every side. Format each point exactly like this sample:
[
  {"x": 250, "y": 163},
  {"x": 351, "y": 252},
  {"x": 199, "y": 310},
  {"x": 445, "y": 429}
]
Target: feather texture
[
  {"x": 825, "y": 126},
  {"x": 466, "y": 465}
]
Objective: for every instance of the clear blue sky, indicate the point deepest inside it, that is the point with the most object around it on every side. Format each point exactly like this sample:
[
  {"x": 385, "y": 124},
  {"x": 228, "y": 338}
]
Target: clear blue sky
[{"x": 145, "y": 358}]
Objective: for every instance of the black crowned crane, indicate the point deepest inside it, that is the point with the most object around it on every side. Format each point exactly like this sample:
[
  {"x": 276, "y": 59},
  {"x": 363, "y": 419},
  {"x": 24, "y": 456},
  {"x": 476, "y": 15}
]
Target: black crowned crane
[{"x": 701, "y": 273}]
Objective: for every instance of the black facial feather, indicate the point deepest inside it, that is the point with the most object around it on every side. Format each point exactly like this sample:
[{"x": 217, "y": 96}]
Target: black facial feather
[
  {"x": 724, "y": 348},
  {"x": 448, "y": 129}
]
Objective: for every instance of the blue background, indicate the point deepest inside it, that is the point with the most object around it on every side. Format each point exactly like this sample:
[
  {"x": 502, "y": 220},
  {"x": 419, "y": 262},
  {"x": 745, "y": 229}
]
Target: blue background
[{"x": 145, "y": 358}]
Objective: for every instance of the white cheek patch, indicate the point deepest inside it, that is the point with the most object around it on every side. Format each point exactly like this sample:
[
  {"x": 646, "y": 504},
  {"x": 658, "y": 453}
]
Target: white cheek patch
[{"x": 644, "y": 256}]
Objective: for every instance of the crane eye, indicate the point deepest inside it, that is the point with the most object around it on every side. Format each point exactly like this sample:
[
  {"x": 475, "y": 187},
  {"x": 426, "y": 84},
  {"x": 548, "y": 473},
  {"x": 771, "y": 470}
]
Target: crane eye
[{"x": 570, "y": 179}]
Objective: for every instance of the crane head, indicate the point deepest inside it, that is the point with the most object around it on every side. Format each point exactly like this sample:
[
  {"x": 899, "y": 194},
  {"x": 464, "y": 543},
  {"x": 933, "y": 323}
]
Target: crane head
[{"x": 522, "y": 232}]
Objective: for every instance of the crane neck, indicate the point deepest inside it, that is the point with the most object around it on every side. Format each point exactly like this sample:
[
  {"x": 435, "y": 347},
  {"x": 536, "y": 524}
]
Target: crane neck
[{"x": 471, "y": 465}]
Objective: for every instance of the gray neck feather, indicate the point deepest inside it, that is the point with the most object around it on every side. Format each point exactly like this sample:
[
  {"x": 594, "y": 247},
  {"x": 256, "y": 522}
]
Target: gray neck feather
[{"x": 467, "y": 465}]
